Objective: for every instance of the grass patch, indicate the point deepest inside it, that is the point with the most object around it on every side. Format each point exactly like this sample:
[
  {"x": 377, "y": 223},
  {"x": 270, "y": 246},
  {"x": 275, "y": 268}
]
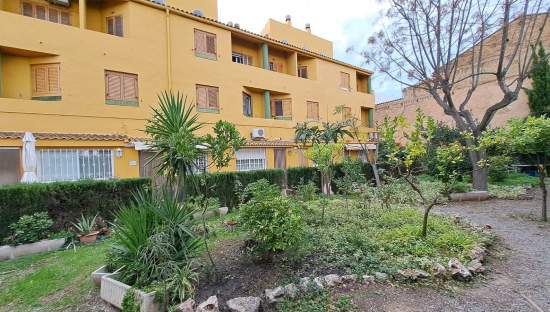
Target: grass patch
[
  {"x": 318, "y": 302},
  {"x": 50, "y": 280},
  {"x": 518, "y": 179}
]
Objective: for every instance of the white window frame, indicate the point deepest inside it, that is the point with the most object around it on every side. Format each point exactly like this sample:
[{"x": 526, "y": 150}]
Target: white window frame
[
  {"x": 76, "y": 165},
  {"x": 249, "y": 159},
  {"x": 201, "y": 164},
  {"x": 240, "y": 58}
]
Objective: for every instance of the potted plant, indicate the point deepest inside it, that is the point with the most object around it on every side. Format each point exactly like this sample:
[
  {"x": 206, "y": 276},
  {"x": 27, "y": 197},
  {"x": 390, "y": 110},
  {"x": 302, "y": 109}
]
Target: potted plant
[{"x": 86, "y": 229}]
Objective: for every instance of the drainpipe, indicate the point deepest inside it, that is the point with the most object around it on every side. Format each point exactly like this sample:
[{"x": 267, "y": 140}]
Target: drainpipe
[
  {"x": 267, "y": 104},
  {"x": 82, "y": 13},
  {"x": 369, "y": 89},
  {"x": 168, "y": 51},
  {"x": 265, "y": 55}
]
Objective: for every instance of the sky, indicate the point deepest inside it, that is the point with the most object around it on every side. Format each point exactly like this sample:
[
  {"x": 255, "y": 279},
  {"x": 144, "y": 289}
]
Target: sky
[{"x": 346, "y": 22}]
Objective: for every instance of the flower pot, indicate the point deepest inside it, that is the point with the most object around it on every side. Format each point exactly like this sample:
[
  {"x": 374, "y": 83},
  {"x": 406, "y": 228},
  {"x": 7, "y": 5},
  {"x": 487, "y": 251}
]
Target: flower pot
[
  {"x": 88, "y": 238},
  {"x": 113, "y": 292},
  {"x": 231, "y": 225},
  {"x": 98, "y": 274}
]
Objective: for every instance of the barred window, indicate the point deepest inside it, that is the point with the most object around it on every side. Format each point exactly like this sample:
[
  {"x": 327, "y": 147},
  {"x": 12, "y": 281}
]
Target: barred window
[
  {"x": 74, "y": 164},
  {"x": 249, "y": 159},
  {"x": 201, "y": 164}
]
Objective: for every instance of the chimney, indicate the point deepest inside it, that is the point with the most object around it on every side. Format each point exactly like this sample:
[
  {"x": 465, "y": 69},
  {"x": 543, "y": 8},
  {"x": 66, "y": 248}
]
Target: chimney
[
  {"x": 308, "y": 27},
  {"x": 288, "y": 20}
]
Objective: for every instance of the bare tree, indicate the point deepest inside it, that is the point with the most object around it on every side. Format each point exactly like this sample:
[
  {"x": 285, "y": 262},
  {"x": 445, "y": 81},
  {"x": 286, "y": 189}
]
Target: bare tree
[{"x": 438, "y": 46}]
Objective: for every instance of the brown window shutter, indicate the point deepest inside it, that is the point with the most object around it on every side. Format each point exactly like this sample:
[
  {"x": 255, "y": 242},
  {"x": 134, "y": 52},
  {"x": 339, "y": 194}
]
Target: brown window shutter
[
  {"x": 272, "y": 104},
  {"x": 119, "y": 26},
  {"x": 27, "y": 9},
  {"x": 213, "y": 94},
  {"x": 65, "y": 18},
  {"x": 53, "y": 79},
  {"x": 202, "y": 97},
  {"x": 280, "y": 67},
  {"x": 129, "y": 87},
  {"x": 40, "y": 80},
  {"x": 287, "y": 108},
  {"x": 110, "y": 25},
  {"x": 53, "y": 15},
  {"x": 211, "y": 43},
  {"x": 312, "y": 110},
  {"x": 346, "y": 112},
  {"x": 200, "y": 41},
  {"x": 40, "y": 12},
  {"x": 113, "y": 85}
]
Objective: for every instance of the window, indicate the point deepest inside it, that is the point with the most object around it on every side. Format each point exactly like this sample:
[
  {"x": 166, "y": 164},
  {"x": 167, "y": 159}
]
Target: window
[
  {"x": 241, "y": 58},
  {"x": 43, "y": 12},
  {"x": 201, "y": 164},
  {"x": 247, "y": 105},
  {"x": 205, "y": 44},
  {"x": 346, "y": 113},
  {"x": 302, "y": 71},
  {"x": 74, "y": 164},
  {"x": 251, "y": 159},
  {"x": 276, "y": 66},
  {"x": 281, "y": 109},
  {"x": 10, "y": 165},
  {"x": 367, "y": 117},
  {"x": 312, "y": 110},
  {"x": 208, "y": 99},
  {"x": 115, "y": 26},
  {"x": 344, "y": 81},
  {"x": 121, "y": 88},
  {"x": 46, "y": 82}
]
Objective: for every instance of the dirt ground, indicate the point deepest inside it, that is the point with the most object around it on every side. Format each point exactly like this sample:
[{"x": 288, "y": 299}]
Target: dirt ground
[{"x": 518, "y": 277}]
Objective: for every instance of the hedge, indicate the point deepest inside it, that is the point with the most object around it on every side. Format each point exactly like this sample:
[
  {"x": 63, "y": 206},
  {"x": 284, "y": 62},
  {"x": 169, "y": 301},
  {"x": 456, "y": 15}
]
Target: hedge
[{"x": 65, "y": 201}]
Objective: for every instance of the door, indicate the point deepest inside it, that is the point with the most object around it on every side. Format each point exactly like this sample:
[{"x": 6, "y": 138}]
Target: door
[
  {"x": 148, "y": 167},
  {"x": 10, "y": 165},
  {"x": 280, "y": 158}
]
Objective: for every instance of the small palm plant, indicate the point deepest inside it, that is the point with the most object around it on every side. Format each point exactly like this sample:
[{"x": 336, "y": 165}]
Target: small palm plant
[{"x": 86, "y": 228}]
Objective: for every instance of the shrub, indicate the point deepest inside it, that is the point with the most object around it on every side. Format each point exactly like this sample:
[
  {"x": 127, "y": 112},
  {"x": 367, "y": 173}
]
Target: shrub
[
  {"x": 272, "y": 220},
  {"x": 65, "y": 201},
  {"x": 498, "y": 167},
  {"x": 306, "y": 191},
  {"x": 31, "y": 228}
]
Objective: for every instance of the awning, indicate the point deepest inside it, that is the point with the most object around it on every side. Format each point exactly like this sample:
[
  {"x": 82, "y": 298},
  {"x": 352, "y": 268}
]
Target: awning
[{"x": 359, "y": 147}]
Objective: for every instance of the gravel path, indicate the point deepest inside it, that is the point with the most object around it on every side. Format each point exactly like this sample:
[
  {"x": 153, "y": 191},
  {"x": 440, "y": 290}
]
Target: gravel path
[{"x": 519, "y": 267}]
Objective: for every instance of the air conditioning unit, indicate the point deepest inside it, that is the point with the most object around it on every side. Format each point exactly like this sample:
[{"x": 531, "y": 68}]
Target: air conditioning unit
[
  {"x": 258, "y": 133},
  {"x": 61, "y": 2}
]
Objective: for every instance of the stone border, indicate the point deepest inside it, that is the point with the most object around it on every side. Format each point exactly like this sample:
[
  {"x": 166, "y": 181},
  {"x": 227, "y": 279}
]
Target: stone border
[{"x": 8, "y": 252}]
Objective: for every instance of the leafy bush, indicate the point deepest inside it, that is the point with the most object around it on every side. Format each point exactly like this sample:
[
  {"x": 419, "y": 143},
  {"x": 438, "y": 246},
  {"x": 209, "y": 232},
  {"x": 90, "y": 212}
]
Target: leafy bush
[
  {"x": 272, "y": 220},
  {"x": 306, "y": 191},
  {"x": 31, "y": 228},
  {"x": 153, "y": 242},
  {"x": 65, "y": 201},
  {"x": 353, "y": 177},
  {"x": 498, "y": 167}
]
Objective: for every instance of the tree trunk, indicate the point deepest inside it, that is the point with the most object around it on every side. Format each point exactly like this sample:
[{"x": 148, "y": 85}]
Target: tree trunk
[
  {"x": 479, "y": 173},
  {"x": 325, "y": 183},
  {"x": 376, "y": 175},
  {"x": 542, "y": 175},
  {"x": 425, "y": 223}
]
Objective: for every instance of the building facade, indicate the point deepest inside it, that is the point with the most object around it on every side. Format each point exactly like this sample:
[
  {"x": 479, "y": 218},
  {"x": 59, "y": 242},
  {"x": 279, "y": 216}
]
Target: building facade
[
  {"x": 488, "y": 92},
  {"x": 82, "y": 76}
]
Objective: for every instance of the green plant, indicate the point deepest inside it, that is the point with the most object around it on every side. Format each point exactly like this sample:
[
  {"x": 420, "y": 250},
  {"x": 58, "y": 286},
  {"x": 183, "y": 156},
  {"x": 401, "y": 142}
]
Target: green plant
[
  {"x": 325, "y": 155},
  {"x": 66, "y": 201},
  {"x": 130, "y": 301},
  {"x": 31, "y": 228},
  {"x": 306, "y": 191},
  {"x": 539, "y": 94},
  {"x": 85, "y": 225},
  {"x": 353, "y": 179},
  {"x": 498, "y": 167},
  {"x": 272, "y": 220}
]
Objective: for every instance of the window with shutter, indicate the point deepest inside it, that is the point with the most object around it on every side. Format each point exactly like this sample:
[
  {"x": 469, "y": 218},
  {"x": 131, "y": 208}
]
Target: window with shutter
[
  {"x": 43, "y": 12},
  {"x": 207, "y": 99},
  {"x": 53, "y": 15},
  {"x": 115, "y": 26},
  {"x": 65, "y": 18},
  {"x": 346, "y": 113},
  {"x": 40, "y": 12},
  {"x": 247, "y": 105},
  {"x": 121, "y": 88},
  {"x": 302, "y": 71},
  {"x": 27, "y": 9},
  {"x": 281, "y": 109},
  {"x": 205, "y": 45},
  {"x": 344, "y": 81},
  {"x": 312, "y": 110},
  {"x": 45, "y": 82}
]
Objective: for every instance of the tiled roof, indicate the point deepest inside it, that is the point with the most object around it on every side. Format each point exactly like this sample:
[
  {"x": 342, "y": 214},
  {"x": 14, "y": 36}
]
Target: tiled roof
[
  {"x": 65, "y": 136},
  {"x": 250, "y": 33},
  {"x": 270, "y": 143}
]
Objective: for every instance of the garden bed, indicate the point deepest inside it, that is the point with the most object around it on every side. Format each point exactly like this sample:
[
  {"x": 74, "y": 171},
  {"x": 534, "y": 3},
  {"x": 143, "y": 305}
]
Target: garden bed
[{"x": 11, "y": 252}]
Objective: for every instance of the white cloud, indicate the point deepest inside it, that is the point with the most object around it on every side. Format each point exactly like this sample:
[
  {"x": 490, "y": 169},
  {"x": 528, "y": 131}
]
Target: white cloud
[{"x": 346, "y": 23}]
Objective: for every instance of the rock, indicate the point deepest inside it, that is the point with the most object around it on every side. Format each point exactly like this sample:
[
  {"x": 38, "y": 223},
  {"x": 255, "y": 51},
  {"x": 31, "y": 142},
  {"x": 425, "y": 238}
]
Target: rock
[
  {"x": 291, "y": 290},
  {"x": 274, "y": 295},
  {"x": 478, "y": 253},
  {"x": 438, "y": 270},
  {"x": 305, "y": 284},
  {"x": 459, "y": 271},
  {"x": 381, "y": 277},
  {"x": 349, "y": 279},
  {"x": 318, "y": 283},
  {"x": 223, "y": 211},
  {"x": 187, "y": 306},
  {"x": 475, "y": 267},
  {"x": 210, "y": 305},
  {"x": 368, "y": 279},
  {"x": 488, "y": 227},
  {"x": 332, "y": 280},
  {"x": 411, "y": 274},
  {"x": 244, "y": 304}
]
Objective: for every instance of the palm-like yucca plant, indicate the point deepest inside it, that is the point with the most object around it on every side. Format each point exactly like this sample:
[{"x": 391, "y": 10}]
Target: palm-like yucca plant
[
  {"x": 172, "y": 130},
  {"x": 85, "y": 225}
]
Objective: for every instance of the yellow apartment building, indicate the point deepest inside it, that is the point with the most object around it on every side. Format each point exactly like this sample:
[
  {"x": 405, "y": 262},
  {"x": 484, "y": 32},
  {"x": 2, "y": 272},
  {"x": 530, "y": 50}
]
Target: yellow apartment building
[{"x": 82, "y": 76}]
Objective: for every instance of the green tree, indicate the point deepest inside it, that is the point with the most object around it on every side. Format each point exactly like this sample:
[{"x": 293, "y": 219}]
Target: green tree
[
  {"x": 325, "y": 156},
  {"x": 539, "y": 94}
]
